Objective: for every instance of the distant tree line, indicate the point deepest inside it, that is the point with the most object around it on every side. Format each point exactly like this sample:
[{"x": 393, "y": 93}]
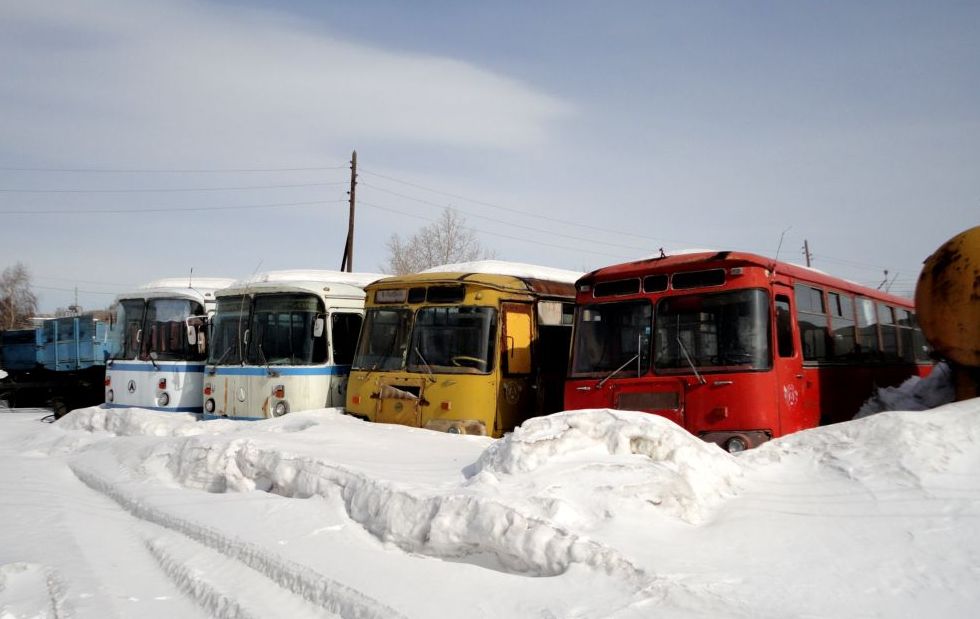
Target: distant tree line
[
  {"x": 445, "y": 241},
  {"x": 18, "y": 303}
]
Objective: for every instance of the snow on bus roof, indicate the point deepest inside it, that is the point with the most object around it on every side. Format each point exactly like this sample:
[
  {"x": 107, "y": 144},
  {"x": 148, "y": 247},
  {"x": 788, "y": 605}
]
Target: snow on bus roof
[
  {"x": 514, "y": 269},
  {"x": 312, "y": 275},
  {"x": 204, "y": 283}
]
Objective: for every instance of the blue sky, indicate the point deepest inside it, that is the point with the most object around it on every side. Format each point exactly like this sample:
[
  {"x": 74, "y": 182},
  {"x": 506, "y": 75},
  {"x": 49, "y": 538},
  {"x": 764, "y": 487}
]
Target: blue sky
[{"x": 569, "y": 134}]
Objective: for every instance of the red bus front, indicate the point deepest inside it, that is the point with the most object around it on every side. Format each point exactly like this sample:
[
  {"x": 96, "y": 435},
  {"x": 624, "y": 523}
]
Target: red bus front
[
  {"x": 736, "y": 348},
  {"x": 712, "y": 350}
]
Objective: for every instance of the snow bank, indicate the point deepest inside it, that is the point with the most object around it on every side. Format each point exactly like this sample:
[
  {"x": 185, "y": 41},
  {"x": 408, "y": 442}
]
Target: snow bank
[
  {"x": 3, "y": 375},
  {"x": 915, "y": 394},
  {"x": 450, "y": 521},
  {"x": 130, "y": 422},
  {"x": 892, "y": 448},
  {"x": 515, "y": 269},
  {"x": 654, "y": 461}
]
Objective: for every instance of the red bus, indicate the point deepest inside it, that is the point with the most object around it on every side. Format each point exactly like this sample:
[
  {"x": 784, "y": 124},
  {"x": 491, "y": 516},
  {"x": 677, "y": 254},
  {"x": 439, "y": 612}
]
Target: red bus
[{"x": 734, "y": 347}]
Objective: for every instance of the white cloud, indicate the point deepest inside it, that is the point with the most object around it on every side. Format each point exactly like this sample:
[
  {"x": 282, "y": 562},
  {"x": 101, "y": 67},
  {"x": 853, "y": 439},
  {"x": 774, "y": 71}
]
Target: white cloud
[{"x": 118, "y": 80}]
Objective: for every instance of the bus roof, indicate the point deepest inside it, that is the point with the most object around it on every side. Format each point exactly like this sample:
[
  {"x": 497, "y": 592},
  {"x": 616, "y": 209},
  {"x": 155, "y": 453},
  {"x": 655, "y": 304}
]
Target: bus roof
[
  {"x": 196, "y": 289},
  {"x": 515, "y": 269},
  {"x": 728, "y": 259},
  {"x": 508, "y": 283},
  {"x": 336, "y": 283}
]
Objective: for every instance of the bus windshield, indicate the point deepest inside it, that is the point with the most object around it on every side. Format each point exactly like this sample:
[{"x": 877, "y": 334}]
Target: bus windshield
[
  {"x": 229, "y": 323},
  {"x": 610, "y": 336},
  {"x": 282, "y": 331},
  {"x": 126, "y": 325},
  {"x": 165, "y": 330},
  {"x": 453, "y": 340},
  {"x": 384, "y": 339},
  {"x": 723, "y": 332}
]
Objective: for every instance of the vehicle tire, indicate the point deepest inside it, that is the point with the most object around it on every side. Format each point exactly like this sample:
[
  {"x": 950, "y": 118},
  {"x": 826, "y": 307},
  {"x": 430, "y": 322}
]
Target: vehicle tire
[{"x": 59, "y": 408}]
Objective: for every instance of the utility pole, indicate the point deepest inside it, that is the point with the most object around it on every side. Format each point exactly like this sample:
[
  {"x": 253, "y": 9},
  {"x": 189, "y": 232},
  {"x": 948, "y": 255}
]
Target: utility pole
[
  {"x": 806, "y": 251},
  {"x": 347, "y": 264}
]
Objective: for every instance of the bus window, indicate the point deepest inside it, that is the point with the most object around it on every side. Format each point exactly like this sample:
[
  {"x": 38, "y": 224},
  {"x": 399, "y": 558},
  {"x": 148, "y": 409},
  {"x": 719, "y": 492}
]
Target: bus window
[
  {"x": 343, "y": 337},
  {"x": 384, "y": 339},
  {"x": 725, "y": 331},
  {"x": 517, "y": 339},
  {"x": 456, "y": 339},
  {"x": 867, "y": 329},
  {"x": 164, "y": 331},
  {"x": 906, "y": 334},
  {"x": 841, "y": 324},
  {"x": 889, "y": 333},
  {"x": 784, "y": 327},
  {"x": 811, "y": 315},
  {"x": 609, "y": 336},
  {"x": 282, "y": 331}
]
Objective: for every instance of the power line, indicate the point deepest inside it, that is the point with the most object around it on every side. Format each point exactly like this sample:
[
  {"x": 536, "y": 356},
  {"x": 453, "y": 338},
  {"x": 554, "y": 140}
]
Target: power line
[
  {"x": 173, "y": 189},
  {"x": 514, "y": 225},
  {"x": 505, "y": 208},
  {"x": 112, "y": 294},
  {"x": 81, "y": 281},
  {"x": 172, "y": 170},
  {"x": 558, "y": 220},
  {"x": 170, "y": 209},
  {"x": 506, "y": 236}
]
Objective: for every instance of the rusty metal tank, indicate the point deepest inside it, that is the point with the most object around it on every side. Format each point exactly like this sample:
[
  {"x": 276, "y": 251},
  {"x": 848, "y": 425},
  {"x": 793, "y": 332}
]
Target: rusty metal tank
[{"x": 947, "y": 300}]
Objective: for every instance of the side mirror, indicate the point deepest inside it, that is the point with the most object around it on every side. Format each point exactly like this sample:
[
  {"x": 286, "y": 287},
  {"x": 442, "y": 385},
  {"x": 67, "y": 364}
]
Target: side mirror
[
  {"x": 318, "y": 325},
  {"x": 191, "y": 335}
]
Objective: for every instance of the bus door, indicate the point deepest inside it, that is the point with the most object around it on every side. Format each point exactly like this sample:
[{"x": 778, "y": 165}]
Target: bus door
[
  {"x": 791, "y": 383},
  {"x": 515, "y": 399}
]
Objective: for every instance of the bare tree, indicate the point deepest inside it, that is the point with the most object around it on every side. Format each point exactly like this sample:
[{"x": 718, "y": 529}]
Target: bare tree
[
  {"x": 18, "y": 303},
  {"x": 444, "y": 241}
]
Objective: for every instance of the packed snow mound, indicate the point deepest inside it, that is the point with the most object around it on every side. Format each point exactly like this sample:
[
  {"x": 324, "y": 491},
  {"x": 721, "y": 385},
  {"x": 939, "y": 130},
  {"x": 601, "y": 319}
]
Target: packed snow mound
[
  {"x": 896, "y": 447},
  {"x": 590, "y": 465},
  {"x": 915, "y": 394},
  {"x": 443, "y": 520},
  {"x": 130, "y": 422},
  {"x": 514, "y": 269},
  {"x": 541, "y": 440}
]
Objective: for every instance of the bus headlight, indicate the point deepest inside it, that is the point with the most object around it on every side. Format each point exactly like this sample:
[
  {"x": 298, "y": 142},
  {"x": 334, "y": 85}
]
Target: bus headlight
[
  {"x": 164, "y": 399},
  {"x": 735, "y": 445},
  {"x": 280, "y": 409},
  {"x": 209, "y": 405}
]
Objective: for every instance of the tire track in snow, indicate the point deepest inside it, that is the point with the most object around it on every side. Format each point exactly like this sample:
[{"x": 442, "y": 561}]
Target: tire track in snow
[
  {"x": 23, "y": 582},
  {"x": 224, "y": 588},
  {"x": 299, "y": 579}
]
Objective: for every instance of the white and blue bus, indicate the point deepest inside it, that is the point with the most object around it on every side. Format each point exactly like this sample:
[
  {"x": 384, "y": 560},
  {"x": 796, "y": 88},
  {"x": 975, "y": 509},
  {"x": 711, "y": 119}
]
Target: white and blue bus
[
  {"x": 158, "y": 344},
  {"x": 283, "y": 341}
]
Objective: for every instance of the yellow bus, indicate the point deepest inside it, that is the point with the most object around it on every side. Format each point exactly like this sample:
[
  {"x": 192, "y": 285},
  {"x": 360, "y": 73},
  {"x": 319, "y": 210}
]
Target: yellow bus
[{"x": 473, "y": 348}]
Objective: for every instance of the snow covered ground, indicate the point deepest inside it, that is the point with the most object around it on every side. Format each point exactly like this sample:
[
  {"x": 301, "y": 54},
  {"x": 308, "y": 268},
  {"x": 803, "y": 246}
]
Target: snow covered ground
[{"x": 130, "y": 513}]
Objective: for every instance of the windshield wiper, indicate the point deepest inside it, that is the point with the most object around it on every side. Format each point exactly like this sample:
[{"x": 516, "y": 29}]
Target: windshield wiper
[
  {"x": 602, "y": 382},
  {"x": 223, "y": 355},
  {"x": 425, "y": 364},
  {"x": 689, "y": 361},
  {"x": 264, "y": 361}
]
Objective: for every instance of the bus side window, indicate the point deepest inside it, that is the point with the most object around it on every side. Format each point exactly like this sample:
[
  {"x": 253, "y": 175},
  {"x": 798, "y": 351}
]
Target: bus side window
[
  {"x": 811, "y": 316},
  {"x": 784, "y": 327},
  {"x": 867, "y": 332},
  {"x": 343, "y": 330},
  {"x": 517, "y": 339}
]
